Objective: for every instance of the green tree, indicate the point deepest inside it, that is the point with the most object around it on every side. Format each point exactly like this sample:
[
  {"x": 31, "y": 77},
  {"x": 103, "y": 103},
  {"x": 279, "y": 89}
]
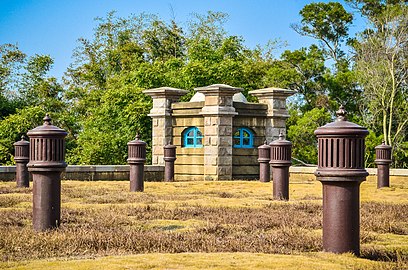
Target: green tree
[
  {"x": 372, "y": 8},
  {"x": 14, "y": 126},
  {"x": 302, "y": 70},
  {"x": 328, "y": 23},
  {"x": 109, "y": 126},
  {"x": 302, "y": 135},
  {"x": 164, "y": 41},
  {"x": 30, "y": 93},
  {"x": 38, "y": 89},
  {"x": 104, "y": 87},
  {"x": 208, "y": 27},
  {"x": 382, "y": 70},
  {"x": 11, "y": 60}
]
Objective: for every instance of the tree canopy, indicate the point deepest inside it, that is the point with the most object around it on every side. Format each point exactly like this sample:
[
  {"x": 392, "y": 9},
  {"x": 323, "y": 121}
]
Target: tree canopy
[{"x": 101, "y": 105}]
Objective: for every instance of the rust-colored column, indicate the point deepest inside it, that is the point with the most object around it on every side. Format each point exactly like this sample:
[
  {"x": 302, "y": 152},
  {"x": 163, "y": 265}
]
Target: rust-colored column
[
  {"x": 281, "y": 159},
  {"x": 341, "y": 170},
  {"x": 47, "y": 161},
  {"x": 169, "y": 158},
  {"x": 136, "y": 160},
  {"x": 383, "y": 161},
  {"x": 264, "y": 156},
  {"x": 21, "y": 157}
]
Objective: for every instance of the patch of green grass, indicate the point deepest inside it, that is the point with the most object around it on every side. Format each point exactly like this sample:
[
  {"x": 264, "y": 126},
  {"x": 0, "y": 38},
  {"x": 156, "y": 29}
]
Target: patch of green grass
[
  {"x": 396, "y": 193},
  {"x": 310, "y": 261},
  {"x": 173, "y": 225}
]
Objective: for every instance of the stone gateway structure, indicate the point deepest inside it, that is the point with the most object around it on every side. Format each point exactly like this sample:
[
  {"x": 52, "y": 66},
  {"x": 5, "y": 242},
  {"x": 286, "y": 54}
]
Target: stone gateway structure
[{"x": 218, "y": 132}]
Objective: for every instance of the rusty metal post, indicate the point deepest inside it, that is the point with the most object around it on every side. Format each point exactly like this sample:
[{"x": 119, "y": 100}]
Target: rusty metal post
[
  {"x": 341, "y": 146},
  {"x": 264, "y": 156},
  {"x": 21, "y": 157},
  {"x": 281, "y": 159},
  {"x": 136, "y": 160},
  {"x": 47, "y": 161},
  {"x": 169, "y": 158},
  {"x": 383, "y": 161}
]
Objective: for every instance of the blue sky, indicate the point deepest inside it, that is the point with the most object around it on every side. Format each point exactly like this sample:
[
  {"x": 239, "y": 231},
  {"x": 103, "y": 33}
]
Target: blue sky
[{"x": 53, "y": 26}]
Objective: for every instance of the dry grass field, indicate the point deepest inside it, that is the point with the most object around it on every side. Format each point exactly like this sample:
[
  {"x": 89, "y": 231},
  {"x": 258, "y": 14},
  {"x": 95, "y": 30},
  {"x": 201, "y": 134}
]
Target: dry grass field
[{"x": 199, "y": 225}]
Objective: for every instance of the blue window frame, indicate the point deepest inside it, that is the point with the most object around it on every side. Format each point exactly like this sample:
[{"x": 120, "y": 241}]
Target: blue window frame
[
  {"x": 192, "y": 138},
  {"x": 243, "y": 138}
]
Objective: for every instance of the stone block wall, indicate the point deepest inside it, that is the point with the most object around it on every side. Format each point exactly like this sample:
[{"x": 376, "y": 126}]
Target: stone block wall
[
  {"x": 189, "y": 164},
  {"x": 245, "y": 160}
]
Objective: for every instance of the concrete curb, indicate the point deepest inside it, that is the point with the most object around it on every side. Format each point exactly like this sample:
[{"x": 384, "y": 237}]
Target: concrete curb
[
  {"x": 94, "y": 172},
  {"x": 152, "y": 172}
]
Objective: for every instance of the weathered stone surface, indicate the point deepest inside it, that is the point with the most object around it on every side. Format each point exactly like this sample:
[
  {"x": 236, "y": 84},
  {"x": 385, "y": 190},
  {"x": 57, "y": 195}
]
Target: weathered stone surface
[
  {"x": 178, "y": 131},
  {"x": 211, "y": 170},
  {"x": 190, "y": 160},
  {"x": 188, "y": 122},
  {"x": 187, "y": 106},
  {"x": 188, "y": 169},
  {"x": 245, "y": 170},
  {"x": 245, "y": 161},
  {"x": 189, "y": 151},
  {"x": 210, "y": 160},
  {"x": 250, "y": 122},
  {"x": 225, "y": 161},
  {"x": 211, "y": 131},
  {"x": 225, "y": 141},
  {"x": 189, "y": 177}
]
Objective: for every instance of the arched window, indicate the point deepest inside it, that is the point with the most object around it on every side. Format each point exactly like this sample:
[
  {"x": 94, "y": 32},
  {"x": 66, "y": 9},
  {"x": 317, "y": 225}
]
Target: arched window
[
  {"x": 192, "y": 138},
  {"x": 243, "y": 138}
]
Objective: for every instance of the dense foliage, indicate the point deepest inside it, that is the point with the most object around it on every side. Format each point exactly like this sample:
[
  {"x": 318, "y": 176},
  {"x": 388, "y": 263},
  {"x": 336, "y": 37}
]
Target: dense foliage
[{"x": 101, "y": 104}]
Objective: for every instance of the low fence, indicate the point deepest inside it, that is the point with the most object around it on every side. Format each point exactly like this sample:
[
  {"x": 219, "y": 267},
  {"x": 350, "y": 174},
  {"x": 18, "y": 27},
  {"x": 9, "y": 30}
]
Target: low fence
[
  {"x": 152, "y": 172},
  {"x": 94, "y": 172},
  {"x": 371, "y": 171}
]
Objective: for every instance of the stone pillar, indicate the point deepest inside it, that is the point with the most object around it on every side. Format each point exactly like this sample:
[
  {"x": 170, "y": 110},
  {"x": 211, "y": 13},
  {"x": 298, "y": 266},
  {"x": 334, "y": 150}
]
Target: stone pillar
[
  {"x": 277, "y": 114},
  {"x": 218, "y": 112},
  {"x": 162, "y": 133}
]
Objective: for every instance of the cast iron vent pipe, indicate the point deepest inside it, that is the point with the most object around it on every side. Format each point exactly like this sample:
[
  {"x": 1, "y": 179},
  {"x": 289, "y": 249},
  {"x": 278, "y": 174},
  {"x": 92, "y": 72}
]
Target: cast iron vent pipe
[
  {"x": 136, "y": 160},
  {"x": 169, "y": 158},
  {"x": 281, "y": 159},
  {"x": 21, "y": 157},
  {"x": 341, "y": 171},
  {"x": 383, "y": 161},
  {"x": 47, "y": 162},
  {"x": 264, "y": 156}
]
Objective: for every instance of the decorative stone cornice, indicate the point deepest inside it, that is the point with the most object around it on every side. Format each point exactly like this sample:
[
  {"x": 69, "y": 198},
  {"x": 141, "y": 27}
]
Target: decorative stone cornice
[
  {"x": 219, "y": 90},
  {"x": 163, "y": 97},
  {"x": 275, "y": 98},
  {"x": 165, "y": 92},
  {"x": 218, "y": 99},
  {"x": 272, "y": 92}
]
